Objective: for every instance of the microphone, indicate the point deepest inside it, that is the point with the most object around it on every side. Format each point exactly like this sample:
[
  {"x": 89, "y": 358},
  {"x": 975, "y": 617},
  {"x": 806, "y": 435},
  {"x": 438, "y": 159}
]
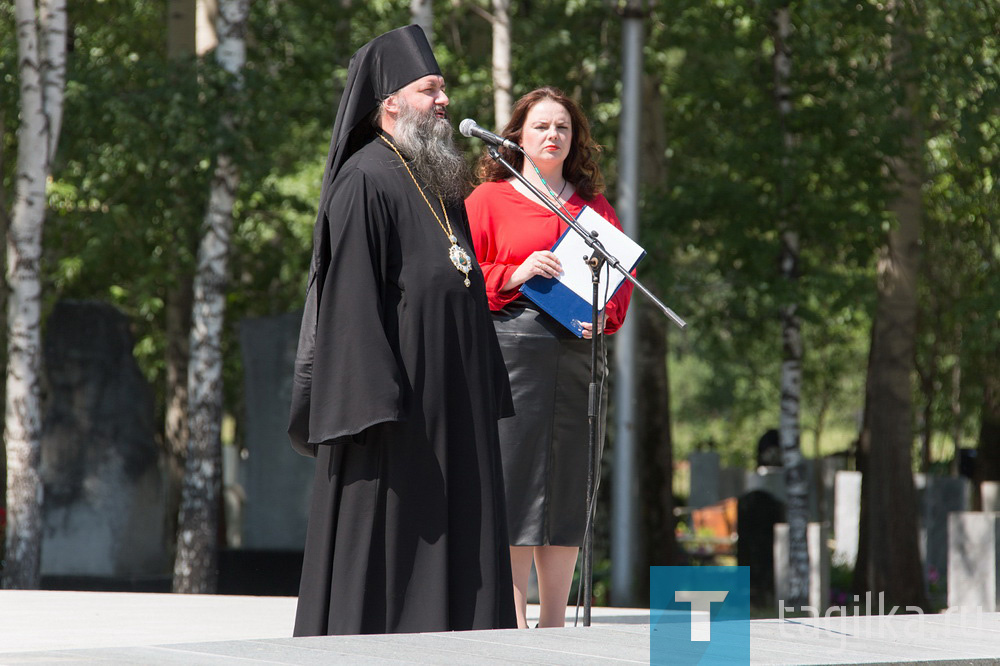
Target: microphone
[{"x": 469, "y": 128}]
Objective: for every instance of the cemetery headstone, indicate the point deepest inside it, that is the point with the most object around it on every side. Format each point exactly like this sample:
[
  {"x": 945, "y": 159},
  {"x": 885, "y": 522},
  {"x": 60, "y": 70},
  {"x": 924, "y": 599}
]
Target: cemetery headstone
[
  {"x": 769, "y": 449},
  {"x": 278, "y": 481},
  {"x": 990, "y": 493},
  {"x": 819, "y": 565},
  {"x": 705, "y": 473},
  {"x": 974, "y": 560},
  {"x": 758, "y": 512},
  {"x": 846, "y": 517},
  {"x": 104, "y": 509},
  {"x": 731, "y": 481},
  {"x": 939, "y": 496},
  {"x": 829, "y": 466}
]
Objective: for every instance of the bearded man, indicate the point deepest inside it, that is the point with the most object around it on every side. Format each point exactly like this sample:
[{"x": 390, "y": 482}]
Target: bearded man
[{"x": 399, "y": 380}]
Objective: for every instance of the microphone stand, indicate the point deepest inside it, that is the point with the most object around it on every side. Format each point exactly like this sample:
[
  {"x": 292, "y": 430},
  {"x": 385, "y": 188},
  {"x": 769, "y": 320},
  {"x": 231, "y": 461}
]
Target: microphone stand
[{"x": 596, "y": 261}]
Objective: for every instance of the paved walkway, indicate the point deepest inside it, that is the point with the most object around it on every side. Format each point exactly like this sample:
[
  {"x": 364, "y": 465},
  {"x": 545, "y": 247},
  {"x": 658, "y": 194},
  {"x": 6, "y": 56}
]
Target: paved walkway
[{"x": 42, "y": 627}]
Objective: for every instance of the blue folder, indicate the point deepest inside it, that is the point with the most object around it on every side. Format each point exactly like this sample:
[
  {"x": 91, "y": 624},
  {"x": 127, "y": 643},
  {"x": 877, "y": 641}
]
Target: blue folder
[{"x": 567, "y": 298}]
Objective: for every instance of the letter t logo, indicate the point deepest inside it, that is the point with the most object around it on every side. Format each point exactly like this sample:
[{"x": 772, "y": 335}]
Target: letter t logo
[{"x": 701, "y": 606}]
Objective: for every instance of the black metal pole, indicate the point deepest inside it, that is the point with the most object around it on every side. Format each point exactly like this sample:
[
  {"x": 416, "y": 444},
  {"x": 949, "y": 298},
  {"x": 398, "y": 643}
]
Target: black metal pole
[{"x": 593, "y": 422}]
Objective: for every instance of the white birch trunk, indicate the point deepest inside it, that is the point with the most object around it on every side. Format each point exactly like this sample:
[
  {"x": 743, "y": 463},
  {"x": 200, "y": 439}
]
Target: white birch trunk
[
  {"x": 41, "y": 45},
  {"x": 422, "y": 13},
  {"x": 501, "y": 63},
  {"x": 197, "y": 555},
  {"x": 206, "y": 18},
  {"x": 796, "y": 479}
]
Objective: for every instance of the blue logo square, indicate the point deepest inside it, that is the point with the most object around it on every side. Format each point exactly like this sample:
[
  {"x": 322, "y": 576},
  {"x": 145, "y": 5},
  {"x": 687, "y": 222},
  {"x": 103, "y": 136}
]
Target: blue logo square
[{"x": 699, "y": 615}]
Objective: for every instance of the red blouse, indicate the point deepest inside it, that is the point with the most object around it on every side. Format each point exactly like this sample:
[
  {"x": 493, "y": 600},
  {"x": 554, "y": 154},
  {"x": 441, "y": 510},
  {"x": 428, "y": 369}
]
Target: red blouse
[{"x": 507, "y": 227}]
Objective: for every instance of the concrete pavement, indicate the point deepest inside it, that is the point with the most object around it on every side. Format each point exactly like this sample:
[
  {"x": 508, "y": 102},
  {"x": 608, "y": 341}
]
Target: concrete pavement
[{"x": 50, "y": 627}]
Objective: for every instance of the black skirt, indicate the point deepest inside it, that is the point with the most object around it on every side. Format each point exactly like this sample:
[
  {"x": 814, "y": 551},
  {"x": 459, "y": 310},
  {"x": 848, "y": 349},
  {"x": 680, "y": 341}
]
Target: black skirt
[{"x": 544, "y": 447}]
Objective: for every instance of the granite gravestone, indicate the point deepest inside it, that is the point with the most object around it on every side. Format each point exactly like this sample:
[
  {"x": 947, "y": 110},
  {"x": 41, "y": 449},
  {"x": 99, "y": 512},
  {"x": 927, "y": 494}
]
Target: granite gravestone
[
  {"x": 846, "y": 517},
  {"x": 758, "y": 512},
  {"x": 278, "y": 481},
  {"x": 974, "y": 561},
  {"x": 939, "y": 496},
  {"x": 989, "y": 492},
  {"x": 104, "y": 503},
  {"x": 819, "y": 565},
  {"x": 828, "y": 469},
  {"x": 705, "y": 479}
]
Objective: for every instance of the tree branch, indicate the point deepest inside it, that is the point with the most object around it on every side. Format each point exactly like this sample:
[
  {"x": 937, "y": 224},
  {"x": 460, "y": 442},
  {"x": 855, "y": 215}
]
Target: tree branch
[{"x": 476, "y": 9}]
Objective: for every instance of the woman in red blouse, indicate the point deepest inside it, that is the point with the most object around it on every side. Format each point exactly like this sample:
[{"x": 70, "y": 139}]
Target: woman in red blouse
[{"x": 544, "y": 447}]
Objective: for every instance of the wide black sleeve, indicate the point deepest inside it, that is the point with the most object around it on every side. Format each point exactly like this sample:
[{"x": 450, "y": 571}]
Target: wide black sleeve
[
  {"x": 347, "y": 377},
  {"x": 504, "y": 402}
]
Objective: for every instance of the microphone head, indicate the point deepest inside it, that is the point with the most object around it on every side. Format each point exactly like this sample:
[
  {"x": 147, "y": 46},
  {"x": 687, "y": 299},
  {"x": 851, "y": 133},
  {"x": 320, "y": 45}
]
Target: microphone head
[{"x": 465, "y": 127}]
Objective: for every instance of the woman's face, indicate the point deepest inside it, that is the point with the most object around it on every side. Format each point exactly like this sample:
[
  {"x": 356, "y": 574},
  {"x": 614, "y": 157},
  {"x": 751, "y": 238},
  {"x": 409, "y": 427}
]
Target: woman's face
[{"x": 547, "y": 133}]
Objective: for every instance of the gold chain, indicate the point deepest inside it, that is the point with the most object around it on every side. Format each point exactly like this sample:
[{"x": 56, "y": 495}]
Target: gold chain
[
  {"x": 459, "y": 258},
  {"x": 448, "y": 232}
]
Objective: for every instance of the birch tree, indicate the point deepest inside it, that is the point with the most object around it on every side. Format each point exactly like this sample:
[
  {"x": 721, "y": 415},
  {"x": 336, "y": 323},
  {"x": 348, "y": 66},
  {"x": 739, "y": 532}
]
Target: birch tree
[
  {"x": 502, "y": 88},
  {"x": 888, "y": 551},
  {"x": 195, "y": 567},
  {"x": 796, "y": 481},
  {"x": 499, "y": 20},
  {"x": 41, "y": 47},
  {"x": 422, "y": 13}
]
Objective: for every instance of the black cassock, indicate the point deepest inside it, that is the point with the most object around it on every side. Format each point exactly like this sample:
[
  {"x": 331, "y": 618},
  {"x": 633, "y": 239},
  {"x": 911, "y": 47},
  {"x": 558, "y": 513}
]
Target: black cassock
[{"x": 399, "y": 384}]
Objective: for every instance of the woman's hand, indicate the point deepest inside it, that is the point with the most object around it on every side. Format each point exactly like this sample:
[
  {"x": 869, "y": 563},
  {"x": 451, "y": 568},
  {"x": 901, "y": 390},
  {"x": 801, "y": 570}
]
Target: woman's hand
[
  {"x": 588, "y": 329},
  {"x": 539, "y": 262}
]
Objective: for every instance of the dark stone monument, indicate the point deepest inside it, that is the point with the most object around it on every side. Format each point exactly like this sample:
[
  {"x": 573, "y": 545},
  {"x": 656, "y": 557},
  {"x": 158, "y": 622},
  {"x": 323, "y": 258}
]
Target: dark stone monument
[
  {"x": 705, "y": 473},
  {"x": 278, "y": 481},
  {"x": 769, "y": 449},
  {"x": 939, "y": 496},
  {"x": 104, "y": 502},
  {"x": 758, "y": 512}
]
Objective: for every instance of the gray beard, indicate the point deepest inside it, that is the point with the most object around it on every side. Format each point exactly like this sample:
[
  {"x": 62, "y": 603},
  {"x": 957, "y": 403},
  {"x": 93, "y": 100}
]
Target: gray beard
[{"x": 427, "y": 141}]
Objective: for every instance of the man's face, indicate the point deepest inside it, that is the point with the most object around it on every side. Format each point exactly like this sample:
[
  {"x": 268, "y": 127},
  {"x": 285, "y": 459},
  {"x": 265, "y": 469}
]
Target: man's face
[
  {"x": 417, "y": 119},
  {"x": 426, "y": 95}
]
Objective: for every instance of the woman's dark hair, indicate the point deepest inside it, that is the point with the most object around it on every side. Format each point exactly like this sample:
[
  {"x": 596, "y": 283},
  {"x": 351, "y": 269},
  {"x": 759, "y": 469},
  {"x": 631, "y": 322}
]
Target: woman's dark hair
[{"x": 580, "y": 167}]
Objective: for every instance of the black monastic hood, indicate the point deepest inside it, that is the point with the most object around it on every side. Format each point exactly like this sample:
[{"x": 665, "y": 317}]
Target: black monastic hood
[{"x": 378, "y": 69}]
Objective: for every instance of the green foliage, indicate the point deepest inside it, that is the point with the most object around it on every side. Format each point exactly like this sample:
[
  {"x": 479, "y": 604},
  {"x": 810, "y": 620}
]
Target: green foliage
[
  {"x": 139, "y": 140},
  {"x": 141, "y": 133},
  {"x": 722, "y": 203},
  {"x": 959, "y": 293}
]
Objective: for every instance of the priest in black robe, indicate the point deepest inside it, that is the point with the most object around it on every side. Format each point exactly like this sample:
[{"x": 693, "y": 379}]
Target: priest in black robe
[{"x": 399, "y": 380}]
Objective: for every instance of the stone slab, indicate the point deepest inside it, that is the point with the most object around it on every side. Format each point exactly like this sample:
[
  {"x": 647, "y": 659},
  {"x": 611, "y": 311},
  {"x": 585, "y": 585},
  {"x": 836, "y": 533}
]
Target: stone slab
[
  {"x": 974, "y": 560},
  {"x": 846, "y": 517},
  {"x": 705, "y": 473},
  {"x": 817, "y": 536},
  {"x": 277, "y": 481},
  {"x": 116, "y": 628},
  {"x": 105, "y": 500},
  {"x": 990, "y": 494}
]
